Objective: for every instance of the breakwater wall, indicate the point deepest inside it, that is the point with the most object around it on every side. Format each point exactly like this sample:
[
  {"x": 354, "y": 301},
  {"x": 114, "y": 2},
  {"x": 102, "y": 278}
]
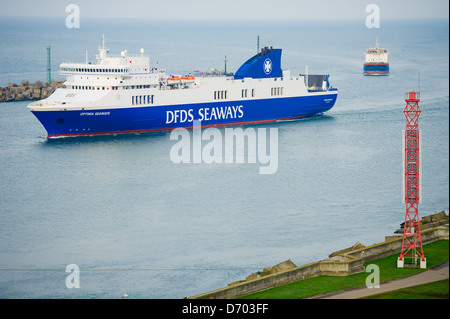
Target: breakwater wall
[
  {"x": 28, "y": 91},
  {"x": 341, "y": 263}
]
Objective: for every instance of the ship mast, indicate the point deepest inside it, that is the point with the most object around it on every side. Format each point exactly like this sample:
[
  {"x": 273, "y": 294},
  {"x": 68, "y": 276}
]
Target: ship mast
[{"x": 102, "y": 50}]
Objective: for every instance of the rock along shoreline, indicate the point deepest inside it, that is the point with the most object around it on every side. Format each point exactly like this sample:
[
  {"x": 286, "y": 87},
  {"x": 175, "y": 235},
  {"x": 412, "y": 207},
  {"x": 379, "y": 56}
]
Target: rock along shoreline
[{"x": 26, "y": 91}]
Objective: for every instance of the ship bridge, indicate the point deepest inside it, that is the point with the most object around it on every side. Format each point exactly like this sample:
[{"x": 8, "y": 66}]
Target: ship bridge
[
  {"x": 93, "y": 69},
  {"x": 106, "y": 65},
  {"x": 111, "y": 71}
]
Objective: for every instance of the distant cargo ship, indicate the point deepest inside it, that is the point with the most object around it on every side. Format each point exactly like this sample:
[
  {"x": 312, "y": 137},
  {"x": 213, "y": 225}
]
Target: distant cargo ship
[
  {"x": 123, "y": 94},
  {"x": 377, "y": 62}
]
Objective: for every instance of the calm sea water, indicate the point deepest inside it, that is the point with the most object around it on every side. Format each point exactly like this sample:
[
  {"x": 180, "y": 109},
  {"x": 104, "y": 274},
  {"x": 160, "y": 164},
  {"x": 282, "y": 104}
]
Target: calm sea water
[{"x": 135, "y": 223}]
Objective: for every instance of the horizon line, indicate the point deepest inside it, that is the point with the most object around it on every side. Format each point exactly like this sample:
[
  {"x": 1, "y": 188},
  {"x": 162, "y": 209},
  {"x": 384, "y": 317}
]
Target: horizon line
[{"x": 222, "y": 18}]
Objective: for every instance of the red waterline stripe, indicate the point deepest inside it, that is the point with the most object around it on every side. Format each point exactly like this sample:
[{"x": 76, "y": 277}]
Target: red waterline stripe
[{"x": 376, "y": 72}]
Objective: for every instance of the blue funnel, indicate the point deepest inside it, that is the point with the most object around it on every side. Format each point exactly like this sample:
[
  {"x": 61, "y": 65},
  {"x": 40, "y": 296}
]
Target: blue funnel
[{"x": 266, "y": 64}]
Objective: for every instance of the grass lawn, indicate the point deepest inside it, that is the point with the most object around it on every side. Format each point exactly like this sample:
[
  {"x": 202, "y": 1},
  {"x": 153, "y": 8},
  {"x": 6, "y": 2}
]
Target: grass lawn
[
  {"x": 436, "y": 253},
  {"x": 434, "y": 290}
]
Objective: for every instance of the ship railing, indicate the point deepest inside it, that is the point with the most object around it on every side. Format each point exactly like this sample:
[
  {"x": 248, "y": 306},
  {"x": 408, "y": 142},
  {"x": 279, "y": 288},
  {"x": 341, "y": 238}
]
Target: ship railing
[
  {"x": 210, "y": 74},
  {"x": 127, "y": 55}
]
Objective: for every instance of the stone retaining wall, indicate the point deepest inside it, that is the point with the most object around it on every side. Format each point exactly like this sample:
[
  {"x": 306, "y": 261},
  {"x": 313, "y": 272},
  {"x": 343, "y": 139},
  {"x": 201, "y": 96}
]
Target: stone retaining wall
[{"x": 347, "y": 263}]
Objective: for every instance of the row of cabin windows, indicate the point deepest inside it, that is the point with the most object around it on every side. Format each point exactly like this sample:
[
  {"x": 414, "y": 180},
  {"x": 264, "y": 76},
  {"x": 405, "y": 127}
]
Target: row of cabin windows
[
  {"x": 245, "y": 93},
  {"x": 87, "y": 87},
  {"x": 276, "y": 91},
  {"x": 142, "y": 99},
  {"x": 132, "y": 87},
  {"x": 94, "y": 70},
  {"x": 220, "y": 95}
]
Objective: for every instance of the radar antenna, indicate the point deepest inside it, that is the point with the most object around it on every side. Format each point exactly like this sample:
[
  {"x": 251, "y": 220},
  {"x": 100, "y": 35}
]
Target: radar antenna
[
  {"x": 225, "y": 60},
  {"x": 257, "y": 44}
]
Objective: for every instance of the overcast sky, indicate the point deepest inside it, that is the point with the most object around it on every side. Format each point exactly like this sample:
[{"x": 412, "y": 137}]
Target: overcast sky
[{"x": 226, "y": 9}]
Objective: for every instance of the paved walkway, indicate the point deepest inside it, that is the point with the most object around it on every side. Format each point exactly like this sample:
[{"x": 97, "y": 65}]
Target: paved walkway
[{"x": 431, "y": 275}]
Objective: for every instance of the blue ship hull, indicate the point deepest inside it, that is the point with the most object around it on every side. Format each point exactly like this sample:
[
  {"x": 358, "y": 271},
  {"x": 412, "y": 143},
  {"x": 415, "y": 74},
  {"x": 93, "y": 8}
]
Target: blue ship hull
[
  {"x": 376, "y": 69},
  {"x": 159, "y": 118}
]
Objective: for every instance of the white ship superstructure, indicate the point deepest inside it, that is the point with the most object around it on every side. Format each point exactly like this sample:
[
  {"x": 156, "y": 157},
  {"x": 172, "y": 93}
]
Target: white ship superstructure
[{"x": 120, "y": 94}]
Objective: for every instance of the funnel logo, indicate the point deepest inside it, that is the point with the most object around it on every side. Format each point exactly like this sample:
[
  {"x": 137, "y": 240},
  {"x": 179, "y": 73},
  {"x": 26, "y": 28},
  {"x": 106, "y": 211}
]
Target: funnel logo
[{"x": 267, "y": 66}]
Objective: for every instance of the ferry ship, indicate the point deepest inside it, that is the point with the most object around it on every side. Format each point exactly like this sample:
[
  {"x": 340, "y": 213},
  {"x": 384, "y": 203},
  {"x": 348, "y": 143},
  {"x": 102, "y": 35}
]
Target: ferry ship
[
  {"x": 377, "y": 62},
  {"x": 123, "y": 94}
]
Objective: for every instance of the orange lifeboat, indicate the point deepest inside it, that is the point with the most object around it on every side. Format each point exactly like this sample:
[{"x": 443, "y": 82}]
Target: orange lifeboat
[
  {"x": 187, "y": 79},
  {"x": 173, "y": 80}
]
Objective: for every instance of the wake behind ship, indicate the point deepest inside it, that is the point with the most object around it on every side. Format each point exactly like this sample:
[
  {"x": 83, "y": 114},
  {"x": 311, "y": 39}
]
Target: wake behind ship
[{"x": 123, "y": 94}]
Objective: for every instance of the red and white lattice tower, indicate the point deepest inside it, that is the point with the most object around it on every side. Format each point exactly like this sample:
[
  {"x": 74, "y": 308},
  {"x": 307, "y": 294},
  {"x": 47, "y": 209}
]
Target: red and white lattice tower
[{"x": 412, "y": 250}]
